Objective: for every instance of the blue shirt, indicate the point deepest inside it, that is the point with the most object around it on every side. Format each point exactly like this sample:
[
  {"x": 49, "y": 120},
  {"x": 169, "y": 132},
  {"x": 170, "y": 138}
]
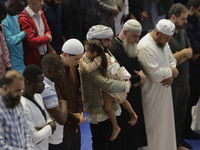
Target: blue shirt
[
  {"x": 13, "y": 36},
  {"x": 14, "y": 131}
]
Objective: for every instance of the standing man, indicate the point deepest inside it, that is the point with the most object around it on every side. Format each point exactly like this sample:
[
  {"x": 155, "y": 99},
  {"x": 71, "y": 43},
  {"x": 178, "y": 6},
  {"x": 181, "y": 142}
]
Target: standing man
[
  {"x": 53, "y": 13},
  {"x": 182, "y": 51},
  {"x": 159, "y": 65},
  {"x": 68, "y": 88},
  {"x": 124, "y": 49},
  {"x": 91, "y": 84},
  {"x": 193, "y": 32},
  {"x": 72, "y": 19},
  {"x": 14, "y": 131},
  {"x": 53, "y": 68},
  {"x": 39, "y": 121},
  {"x": 13, "y": 34},
  {"x": 33, "y": 21}
]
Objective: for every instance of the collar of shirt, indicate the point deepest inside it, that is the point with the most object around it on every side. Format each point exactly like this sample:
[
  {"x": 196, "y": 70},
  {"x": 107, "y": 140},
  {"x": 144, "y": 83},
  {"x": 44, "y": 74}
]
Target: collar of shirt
[
  {"x": 31, "y": 12},
  {"x": 49, "y": 82}
]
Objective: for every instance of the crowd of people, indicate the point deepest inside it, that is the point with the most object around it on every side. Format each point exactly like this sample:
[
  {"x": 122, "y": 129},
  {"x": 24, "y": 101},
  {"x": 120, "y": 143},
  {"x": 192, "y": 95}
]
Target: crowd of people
[{"x": 61, "y": 58}]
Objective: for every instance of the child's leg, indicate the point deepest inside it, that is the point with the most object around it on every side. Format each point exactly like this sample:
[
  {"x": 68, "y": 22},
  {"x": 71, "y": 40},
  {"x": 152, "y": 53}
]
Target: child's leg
[
  {"x": 129, "y": 108},
  {"x": 108, "y": 109}
]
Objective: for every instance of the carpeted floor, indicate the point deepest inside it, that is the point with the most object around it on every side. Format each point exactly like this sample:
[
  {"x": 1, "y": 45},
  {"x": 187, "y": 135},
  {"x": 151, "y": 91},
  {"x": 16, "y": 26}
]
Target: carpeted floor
[{"x": 86, "y": 142}]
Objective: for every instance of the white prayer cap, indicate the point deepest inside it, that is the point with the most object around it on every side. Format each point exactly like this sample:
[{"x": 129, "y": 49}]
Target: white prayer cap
[
  {"x": 166, "y": 27},
  {"x": 73, "y": 46},
  {"x": 99, "y": 32},
  {"x": 132, "y": 25}
]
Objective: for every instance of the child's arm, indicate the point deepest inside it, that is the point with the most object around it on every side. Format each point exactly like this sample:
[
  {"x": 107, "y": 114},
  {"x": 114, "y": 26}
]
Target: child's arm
[{"x": 90, "y": 67}]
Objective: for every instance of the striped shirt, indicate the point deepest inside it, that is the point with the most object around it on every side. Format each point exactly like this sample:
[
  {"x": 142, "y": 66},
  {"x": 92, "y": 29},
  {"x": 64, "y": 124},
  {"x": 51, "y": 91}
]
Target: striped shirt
[
  {"x": 51, "y": 101},
  {"x": 14, "y": 131}
]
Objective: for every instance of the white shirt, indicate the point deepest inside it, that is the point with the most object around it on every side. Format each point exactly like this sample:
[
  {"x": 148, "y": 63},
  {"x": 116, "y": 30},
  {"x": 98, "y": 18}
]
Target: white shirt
[
  {"x": 35, "y": 119},
  {"x": 40, "y": 27}
]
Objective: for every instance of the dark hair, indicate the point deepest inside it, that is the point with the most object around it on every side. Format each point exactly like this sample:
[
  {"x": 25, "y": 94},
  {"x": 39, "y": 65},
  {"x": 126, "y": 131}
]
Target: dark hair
[
  {"x": 50, "y": 60},
  {"x": 32, "y": 71},
  {"x": 3, "y": 10},
  {"x": 193, "y": 3},
  {"x": 177, "y": 9},
  {"x": 94, "y": 45},
  {"x": 9, "y": 77}
]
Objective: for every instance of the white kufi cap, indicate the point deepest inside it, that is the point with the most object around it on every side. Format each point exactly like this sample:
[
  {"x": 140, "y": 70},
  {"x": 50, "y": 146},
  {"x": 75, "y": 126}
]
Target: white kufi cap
[
  {"x": 166, "y": 27},
  {"x": 73, "y": 46},
  {"x": 99, "y": 32},
  {"x": 132, "y": 25}
]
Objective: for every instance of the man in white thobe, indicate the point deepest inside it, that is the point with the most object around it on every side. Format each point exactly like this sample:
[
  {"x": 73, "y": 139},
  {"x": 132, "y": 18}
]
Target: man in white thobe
[{"x": 158, "y": 64}]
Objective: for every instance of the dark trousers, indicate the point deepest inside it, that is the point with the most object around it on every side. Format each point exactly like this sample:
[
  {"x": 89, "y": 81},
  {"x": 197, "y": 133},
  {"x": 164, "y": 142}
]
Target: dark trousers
[
  {"x": 101, "y": 133},
  {"x": 193, "y": 99},
  {"x": 180, "y": 95},
  {"x": 55, "y": 147},
  {"x": 72, "y": 142}
]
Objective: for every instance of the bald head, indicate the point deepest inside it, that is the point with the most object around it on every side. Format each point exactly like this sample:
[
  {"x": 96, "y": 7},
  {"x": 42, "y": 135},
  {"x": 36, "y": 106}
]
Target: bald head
[{"x": 10, "y": 76}]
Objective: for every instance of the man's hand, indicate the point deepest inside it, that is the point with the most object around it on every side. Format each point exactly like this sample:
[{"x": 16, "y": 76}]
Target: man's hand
[
  {"x": 50, "y": 37},
  {"x": 195, "y": 56},
  {"x": 167, "y": 82},
  {"x": 142, "y": 76},
  {"x": 82, "y": 118},
  {"x": 175, "y": 72},
  {"x": 53, "y": 126}
]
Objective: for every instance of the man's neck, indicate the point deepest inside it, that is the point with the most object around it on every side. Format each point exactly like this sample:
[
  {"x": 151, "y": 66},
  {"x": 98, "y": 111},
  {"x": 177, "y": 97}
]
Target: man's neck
[{"x": 29, "y": 93}]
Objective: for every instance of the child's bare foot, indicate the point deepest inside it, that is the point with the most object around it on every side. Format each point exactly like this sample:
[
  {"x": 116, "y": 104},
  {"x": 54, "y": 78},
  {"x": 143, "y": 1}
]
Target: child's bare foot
[
  {"x": 115, "y": 133},
  {"x": 133, "y": 119}
]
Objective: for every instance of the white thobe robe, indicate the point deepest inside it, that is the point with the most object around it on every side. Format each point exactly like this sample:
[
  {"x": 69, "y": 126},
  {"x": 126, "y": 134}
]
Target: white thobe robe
[{"x": 156, "y": 98}]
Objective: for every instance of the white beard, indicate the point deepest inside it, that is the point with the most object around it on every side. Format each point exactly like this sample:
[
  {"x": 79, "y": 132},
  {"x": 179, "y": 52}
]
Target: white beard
[{"x": 130, "y": 50}]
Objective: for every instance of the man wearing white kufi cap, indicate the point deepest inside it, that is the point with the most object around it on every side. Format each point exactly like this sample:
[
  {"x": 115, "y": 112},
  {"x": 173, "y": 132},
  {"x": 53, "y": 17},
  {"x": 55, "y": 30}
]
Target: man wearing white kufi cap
[
  {"x": 159, "y": 64},
  {"x": 124, "y": 49},
  {"x": 68, "y": 89}
]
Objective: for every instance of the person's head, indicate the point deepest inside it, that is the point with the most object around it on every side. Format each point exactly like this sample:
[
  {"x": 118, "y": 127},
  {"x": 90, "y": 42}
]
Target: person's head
[
  {"x": 53, "y": 67},
  {"x": 178, "y": 14},
  {"x": 3, "y": 12},
  {"x": 33, "y": 76},
  {"x": 93, "y": 48},
  {"x": 163, "y": 32},
  {"x": 11, "y": 87},
  {"x": 15, "y": 7},
  {"x": 194, "y": 8},
  {"x": 102, "y": 33},
  {"x": 55, "y": 2},
  {"x": 36, "y": 5},
  {"x": 130, "y": 36},
  {"x": 72, "y": 52}
]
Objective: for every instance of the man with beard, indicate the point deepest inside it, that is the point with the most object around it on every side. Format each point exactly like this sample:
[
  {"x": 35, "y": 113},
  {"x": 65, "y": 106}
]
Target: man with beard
[
  {"x": 124, "y": 49},
  {"x": 14, "y": 131},
  {"x": 39, "y": 121},
  {"x": 53, "y": 14},
  {"x": 91, "y": 84},
  {"x": 158, "y": 64},
  {"x": 182, "y": 51},
  {"x": 193, "y": 32}
]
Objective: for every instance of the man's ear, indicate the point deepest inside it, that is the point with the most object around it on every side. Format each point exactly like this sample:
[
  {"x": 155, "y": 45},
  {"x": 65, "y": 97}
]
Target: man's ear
[
  {"x": 5, "y": 88},
  {"x": 173, "y": 18},
  {"x": 64, "y": 54},
  {"x": 192, "y": 9},
  {"x": 94, "y": 54}
]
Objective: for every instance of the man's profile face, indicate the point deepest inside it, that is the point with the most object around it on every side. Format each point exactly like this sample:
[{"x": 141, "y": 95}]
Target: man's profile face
[
  {"x": 181, "y": 21},
  {"x": 38, "y": 84},
  {"x": 106, "y": 42},
  {"x": 162, "y": 39},
  {"x": 12, "y": 98},
  {"x": 132, "y": 37},
  {"x": 36, "y": 4}
]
